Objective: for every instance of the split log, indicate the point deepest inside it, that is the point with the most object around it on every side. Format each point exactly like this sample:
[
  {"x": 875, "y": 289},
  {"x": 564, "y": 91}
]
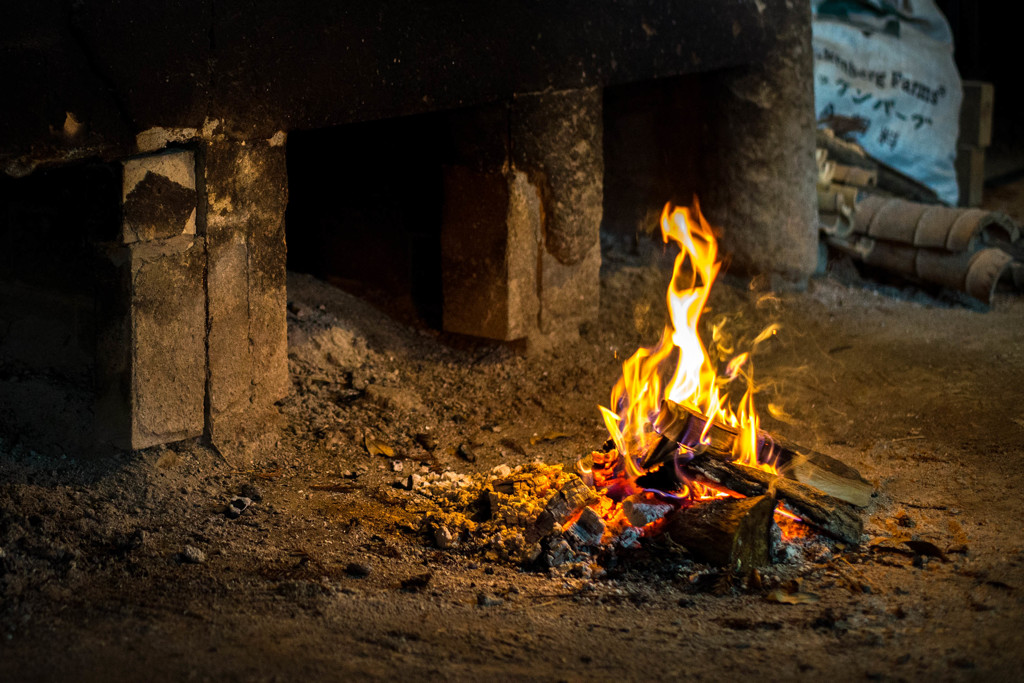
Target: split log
[
  {"x": 854, "y": 175},
  {"x": 680, "y": 425},
  {"x": 823, "y": 472},
  {"x": 728, "y": 532},
  {"x": 834, "y": 517},
  {"x": 889, "y": 180}
]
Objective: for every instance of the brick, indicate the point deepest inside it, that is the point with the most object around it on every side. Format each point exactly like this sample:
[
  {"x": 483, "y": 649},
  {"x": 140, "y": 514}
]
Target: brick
[
  {"x": 556, "y": 141},
  {"x": 569, "y": 296},
  {"x": 759, "y": 181}
]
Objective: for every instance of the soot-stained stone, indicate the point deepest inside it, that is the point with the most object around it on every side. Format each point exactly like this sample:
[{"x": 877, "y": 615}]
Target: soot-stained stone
[
  {"x": 557, "y": 142},
  {"x": 156, "y": 208}
]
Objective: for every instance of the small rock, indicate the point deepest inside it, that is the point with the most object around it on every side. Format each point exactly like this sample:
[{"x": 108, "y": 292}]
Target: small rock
[
  {"x": 237, "y": 506},
  {"x": 192, "y": 555},
  {"x": 417, "y": 583},
  {"x": 251, "y": 491},
  {"x": 485, "y": 600},
  {"x": 397, "y": 466},
  {"x": 444, "y": 538},
  {"x": 428, "y": 442},
  {"x": 466, "y": 452},
  {"x": 357, "y": 570}
]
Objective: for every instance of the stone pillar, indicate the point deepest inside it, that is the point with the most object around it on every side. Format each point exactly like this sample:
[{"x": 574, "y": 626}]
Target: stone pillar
[
  {"x": 244, "y": 193},
  {"x": 557, "y": 143},
  {"x": 760, "y": 175},
  {"x": 152, "y": 354},
  {"x": 520, "y": 242},
  {"x": 489, "y": 248}
]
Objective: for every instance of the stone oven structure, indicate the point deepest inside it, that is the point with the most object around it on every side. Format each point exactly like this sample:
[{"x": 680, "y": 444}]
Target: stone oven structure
[{"x": 145, "y": 149}]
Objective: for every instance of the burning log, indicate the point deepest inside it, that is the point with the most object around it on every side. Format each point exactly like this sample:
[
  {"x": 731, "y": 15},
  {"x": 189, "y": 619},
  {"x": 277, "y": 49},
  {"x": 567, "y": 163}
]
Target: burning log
[
  {"x": 701, "y": 431},
  {"x": 728, "y": 532},
  {"x": 834, "y": 517},
  {"x": 678, "y": 424}
]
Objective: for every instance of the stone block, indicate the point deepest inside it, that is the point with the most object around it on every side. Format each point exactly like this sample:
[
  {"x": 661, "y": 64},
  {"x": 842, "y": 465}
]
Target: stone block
[
  {"x": 158, "y": 196},
  {"x": 556, "y": 141},
  {"x": 489, "y": 243},
  {"x": 151, "y": 345},
  {"x": 167, "y": 324},
  {"x": 520, "y": 236},
  {"x": 245, "y": 193},
  {"x": 569, "y": 296}
]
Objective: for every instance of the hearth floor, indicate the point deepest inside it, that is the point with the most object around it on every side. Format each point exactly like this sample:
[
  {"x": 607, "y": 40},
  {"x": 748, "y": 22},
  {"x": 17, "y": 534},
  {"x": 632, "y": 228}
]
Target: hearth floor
[{"x": 118, "y": 567}]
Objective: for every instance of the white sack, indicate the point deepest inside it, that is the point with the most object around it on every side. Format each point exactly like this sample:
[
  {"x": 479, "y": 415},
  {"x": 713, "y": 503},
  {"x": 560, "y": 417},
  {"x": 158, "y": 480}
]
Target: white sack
[{"x": 890, "y": 66}]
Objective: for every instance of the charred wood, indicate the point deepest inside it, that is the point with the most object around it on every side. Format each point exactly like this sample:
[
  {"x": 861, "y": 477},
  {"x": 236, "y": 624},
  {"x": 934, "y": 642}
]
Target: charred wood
[
  {"x": 561, "y": 507},
  {"x": 684, "y": 428},
  {"x": 728, "y": 532},
  {"x": 834, "y": 517}
]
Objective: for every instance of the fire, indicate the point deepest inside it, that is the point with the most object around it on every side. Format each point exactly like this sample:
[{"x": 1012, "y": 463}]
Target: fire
[{"x": 678, "y": 368}]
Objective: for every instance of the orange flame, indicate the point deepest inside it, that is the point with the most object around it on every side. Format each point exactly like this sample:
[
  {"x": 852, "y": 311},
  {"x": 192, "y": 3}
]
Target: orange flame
[{"x": 693, "y": 382}]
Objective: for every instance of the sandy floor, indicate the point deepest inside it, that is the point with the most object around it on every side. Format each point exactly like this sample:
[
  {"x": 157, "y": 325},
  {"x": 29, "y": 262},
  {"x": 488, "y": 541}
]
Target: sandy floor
[{"x": 125, "y": 567}]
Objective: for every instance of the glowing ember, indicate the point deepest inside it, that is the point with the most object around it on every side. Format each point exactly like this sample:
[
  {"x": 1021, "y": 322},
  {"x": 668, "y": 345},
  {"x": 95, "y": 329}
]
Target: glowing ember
[{"x": 678, "y": 369}]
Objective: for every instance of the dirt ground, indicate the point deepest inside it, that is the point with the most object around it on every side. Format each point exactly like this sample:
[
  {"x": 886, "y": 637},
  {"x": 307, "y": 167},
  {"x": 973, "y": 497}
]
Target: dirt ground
[{"x": 118, "y": 566}]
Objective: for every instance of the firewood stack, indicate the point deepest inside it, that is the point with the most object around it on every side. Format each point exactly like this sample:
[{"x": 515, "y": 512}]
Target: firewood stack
[{"x": 864, "y": 212}]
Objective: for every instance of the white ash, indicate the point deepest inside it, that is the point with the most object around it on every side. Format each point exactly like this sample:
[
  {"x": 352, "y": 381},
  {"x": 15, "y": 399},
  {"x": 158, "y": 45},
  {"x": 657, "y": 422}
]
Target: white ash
[
  {"x": 501, "y": 471},
  {"x": 640, "y": 512},
  {"x": 559, "y": 553},
  {"x": 588, "y": 529},
  {"x": 629, "y": 537}
]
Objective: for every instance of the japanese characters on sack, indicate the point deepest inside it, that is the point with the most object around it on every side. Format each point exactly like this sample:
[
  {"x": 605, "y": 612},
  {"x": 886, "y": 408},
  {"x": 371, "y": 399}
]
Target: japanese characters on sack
[{"x": 884, "y": 72}]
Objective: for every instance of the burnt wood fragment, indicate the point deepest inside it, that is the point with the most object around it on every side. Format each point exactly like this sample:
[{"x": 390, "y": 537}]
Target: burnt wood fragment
[
  {"x": 561, "y": 507},
  {"x": 728, "y": 532}
]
